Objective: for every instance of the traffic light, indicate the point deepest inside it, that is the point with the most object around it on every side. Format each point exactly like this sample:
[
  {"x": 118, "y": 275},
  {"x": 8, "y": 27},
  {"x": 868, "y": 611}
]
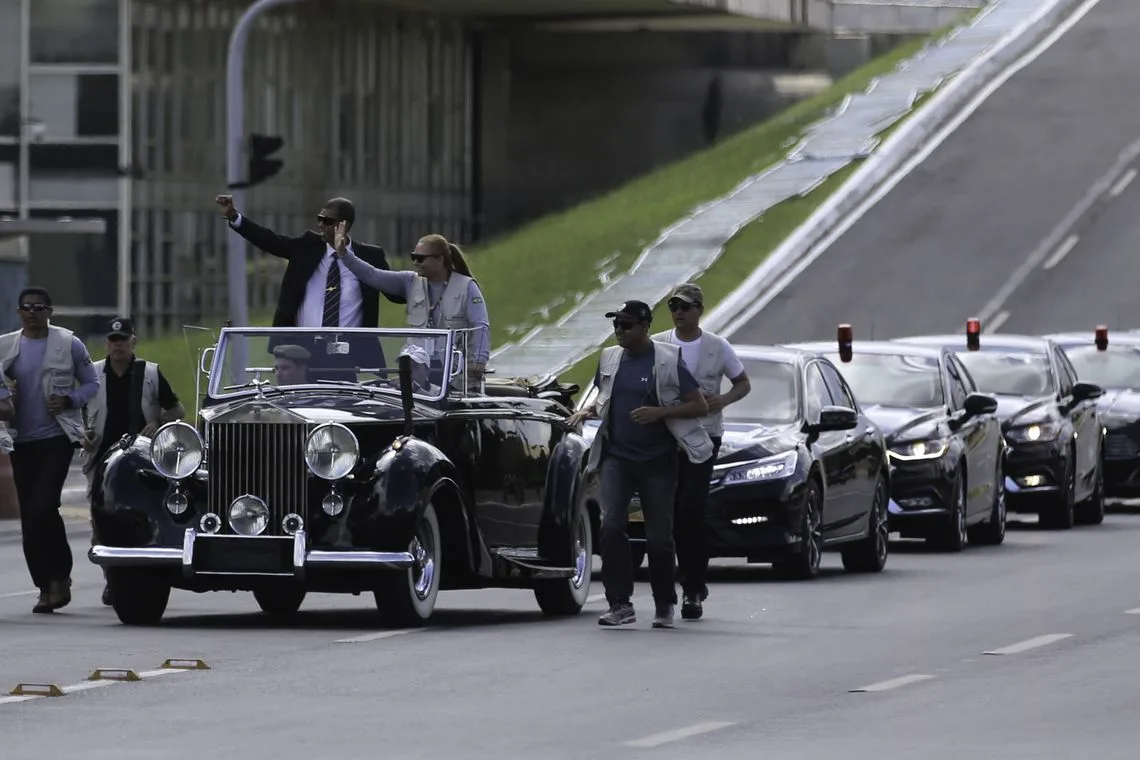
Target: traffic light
[{"x": 261, "y": 166}]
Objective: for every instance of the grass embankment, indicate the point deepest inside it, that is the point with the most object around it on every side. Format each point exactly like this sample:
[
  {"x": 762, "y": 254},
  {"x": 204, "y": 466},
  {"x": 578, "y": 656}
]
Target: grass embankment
[{"x": 556, "y": 256}]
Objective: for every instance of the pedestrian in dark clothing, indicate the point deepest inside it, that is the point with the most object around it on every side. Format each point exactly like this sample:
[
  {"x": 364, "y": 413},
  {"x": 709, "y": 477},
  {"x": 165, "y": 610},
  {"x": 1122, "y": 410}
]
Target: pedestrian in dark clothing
[{"x": 648, "y": 404}]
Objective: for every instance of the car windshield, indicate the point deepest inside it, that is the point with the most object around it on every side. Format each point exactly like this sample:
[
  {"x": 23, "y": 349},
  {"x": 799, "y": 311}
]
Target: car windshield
[
  {"x": 1118, "y": 367},
  {"x": 774, "y": 398},
  {"x": 248, "y": 358},
  {"x": 893, "y": 379},
  {"x": 1009, "y": 373}
]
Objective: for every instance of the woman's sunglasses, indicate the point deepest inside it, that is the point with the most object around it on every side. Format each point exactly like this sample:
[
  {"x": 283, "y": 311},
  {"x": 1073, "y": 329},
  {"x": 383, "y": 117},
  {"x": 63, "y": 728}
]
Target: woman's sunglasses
[{"x": 420, "y": 258}]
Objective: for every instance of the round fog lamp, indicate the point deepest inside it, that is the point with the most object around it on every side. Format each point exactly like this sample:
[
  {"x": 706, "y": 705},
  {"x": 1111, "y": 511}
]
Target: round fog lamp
[
  {"x": 249, "y": 515},
  {"x": 210, "y": 523},
  {"x": 292, "y": 523},
  {"x": 177, "y": 503},
  {"x": 333, "y": 504}
]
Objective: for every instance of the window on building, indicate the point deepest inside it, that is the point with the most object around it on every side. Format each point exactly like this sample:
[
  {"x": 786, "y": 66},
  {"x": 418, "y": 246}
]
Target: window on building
[
  {"x": 74, "y": 31},
  {"x": 10, "y": 68},
  {"x": 66, "y": 106},
  {"x": 87, "y": 174}
]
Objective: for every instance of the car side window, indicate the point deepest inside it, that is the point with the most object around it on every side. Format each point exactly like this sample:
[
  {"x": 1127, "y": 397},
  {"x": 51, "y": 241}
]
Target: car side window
[
  {"x": 1068, "y": 368},
  {"x": 1065, "y": 376},
  {"x": 836, "y": 387},
  {"x": 816, "y": 395},
  {"x": 958, "y": 390}
]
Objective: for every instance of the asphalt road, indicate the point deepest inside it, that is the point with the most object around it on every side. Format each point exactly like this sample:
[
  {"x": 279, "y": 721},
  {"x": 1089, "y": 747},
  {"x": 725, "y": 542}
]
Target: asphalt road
[
  {"x": 938, "y": 248},
  {"x": 772, "y": 666}
]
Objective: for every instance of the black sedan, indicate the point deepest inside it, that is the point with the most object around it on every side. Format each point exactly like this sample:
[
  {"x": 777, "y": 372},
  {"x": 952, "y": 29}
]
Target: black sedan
[
  {"x": 801, "y": 469},
  {"x": 1049, "y": 418},
  {"x": 944, "y": 440},
  {"x": 1114, "y": 365}
]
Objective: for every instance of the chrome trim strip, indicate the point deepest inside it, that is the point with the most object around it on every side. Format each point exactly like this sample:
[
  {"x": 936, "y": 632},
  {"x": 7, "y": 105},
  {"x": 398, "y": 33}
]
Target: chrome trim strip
[
  {"x": 115, "y": 556},
  {"x": 188, "y": 552},
  {"x": 351, "y": 559}
]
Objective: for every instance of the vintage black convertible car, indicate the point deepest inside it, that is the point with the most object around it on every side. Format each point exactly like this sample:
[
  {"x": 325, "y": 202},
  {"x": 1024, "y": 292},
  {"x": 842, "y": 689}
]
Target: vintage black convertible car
[
  {"x": 1054, "y": 464},
  {"x": 801, "y": 469},
  {"x": 1114, "y": 365},
  {"x": 945, "y": 444},
  {"x": 317, "y": 464}
]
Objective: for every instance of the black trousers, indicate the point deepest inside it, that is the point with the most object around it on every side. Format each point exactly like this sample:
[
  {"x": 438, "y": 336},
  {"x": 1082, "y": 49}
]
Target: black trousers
[
  {"x": 689, "y": 533},
  {"x": 40, "y": 469},
  {"x": 655, "y": 482}
]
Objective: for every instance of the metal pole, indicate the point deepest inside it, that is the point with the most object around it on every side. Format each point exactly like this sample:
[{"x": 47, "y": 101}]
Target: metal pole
[
  {"x": 235, "y": 171},
  {"x": 126, "y": 160}
]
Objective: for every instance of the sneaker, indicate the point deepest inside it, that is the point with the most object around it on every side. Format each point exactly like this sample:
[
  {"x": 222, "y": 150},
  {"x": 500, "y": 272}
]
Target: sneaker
[
  {"x": 664, "y": 617},
  {"x": 691, "y": 607},
  {"x": 619, "y": 614}
]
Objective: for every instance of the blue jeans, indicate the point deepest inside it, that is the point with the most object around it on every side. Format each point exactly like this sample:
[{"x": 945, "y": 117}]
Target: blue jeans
[{"x": 655, "y": 482}]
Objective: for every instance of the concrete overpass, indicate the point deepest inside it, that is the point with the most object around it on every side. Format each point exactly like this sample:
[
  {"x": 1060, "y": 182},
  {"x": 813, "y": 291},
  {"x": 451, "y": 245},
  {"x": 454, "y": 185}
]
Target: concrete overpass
[{"x": 841, "y": 16}]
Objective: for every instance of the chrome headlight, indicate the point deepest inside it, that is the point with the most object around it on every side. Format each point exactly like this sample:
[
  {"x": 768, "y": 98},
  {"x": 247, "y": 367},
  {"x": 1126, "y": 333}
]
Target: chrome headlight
[
  {"x": 929, "y": 449},
  {"x": 768, "y": 468},
  {"x": 1038, "y": 432},
  {"x": 331, "y": 451},
  {"x": 249, "y": 515},
  {"x": 176, "y": 450}
]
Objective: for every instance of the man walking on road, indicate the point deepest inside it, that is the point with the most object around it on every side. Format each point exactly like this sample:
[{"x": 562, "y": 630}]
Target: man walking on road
[
  {"x": 134, "y": 398},
  {"x": 41, "y": 365},
  {"x": 711, "y": 359},
  {"x": 648, "y": 404}
]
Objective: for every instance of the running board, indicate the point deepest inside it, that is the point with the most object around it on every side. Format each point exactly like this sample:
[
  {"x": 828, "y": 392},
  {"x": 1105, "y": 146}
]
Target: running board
[{"x": 526, "y": 563}]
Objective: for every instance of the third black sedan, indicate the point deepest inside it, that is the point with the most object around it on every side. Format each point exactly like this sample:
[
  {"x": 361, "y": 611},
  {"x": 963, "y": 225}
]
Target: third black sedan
[
  {"x": 945, "y": 442},
  {"x": 1049, "y": 419},
  {"x": 1114, "y": 365}
]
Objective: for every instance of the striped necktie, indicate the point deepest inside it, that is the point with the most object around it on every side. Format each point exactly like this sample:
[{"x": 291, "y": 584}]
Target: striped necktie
[{"x": 331, "y": 316}]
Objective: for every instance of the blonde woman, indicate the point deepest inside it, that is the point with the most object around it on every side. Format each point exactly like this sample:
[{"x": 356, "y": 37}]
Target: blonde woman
[{"x": 440, "y": 293}]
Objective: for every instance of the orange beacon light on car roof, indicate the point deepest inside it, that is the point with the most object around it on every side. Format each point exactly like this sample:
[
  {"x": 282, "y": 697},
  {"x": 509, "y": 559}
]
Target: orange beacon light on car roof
[
  {"x": 1101, "y": 337},
  {"x": 845, "y": 335},
  {"x": 973, "y": 333}
]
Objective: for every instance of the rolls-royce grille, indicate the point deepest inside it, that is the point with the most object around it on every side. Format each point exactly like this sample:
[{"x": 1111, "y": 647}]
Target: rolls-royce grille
[
  {"x": 1120, "y": 445},
  {"x": 266, "y": 460}
]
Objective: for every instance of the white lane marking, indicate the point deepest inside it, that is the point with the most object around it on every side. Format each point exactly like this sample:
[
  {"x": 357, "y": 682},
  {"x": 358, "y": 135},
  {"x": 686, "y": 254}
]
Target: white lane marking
[
  {"x": 377, "y": 636},
  {"x": 11, "y": 594},
  {"x": 89, "y": 685},
  {"x": 909, "y": 166},
  {"x": 1037, "y": 641},
  {"x": 998, "y": 320},
  {"x": 676, "y": 735},
  {"x": 595, "y": 598},
  {"x": 894, "y": 683},
  {"x": 1061, "y": 252},
  {"x": 1122, "y": 184},
  {"x": 1133, "y": 611}
]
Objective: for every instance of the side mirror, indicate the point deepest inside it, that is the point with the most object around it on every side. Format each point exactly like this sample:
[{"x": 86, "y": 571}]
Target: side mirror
[
  {"x": 1083, "y": 391},
  {"x": 833, "y": 418},
  {"x": 979, "y": 403}
]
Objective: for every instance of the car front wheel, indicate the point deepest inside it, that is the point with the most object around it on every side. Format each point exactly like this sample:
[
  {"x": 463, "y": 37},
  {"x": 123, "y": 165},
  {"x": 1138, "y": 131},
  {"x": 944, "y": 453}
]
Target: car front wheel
[
  {"x": 568, "y": 596},
  {"x": 406, "y": 598},
  {"x": 137, "y": 596}
]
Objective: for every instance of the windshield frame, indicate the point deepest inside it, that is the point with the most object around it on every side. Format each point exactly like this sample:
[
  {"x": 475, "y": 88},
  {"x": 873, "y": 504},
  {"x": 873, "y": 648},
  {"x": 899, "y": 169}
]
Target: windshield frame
[
  {"x": 796, "y": 371},
  {"x": 222, "y": 351},
  {"x": 1044, "y": 355}
]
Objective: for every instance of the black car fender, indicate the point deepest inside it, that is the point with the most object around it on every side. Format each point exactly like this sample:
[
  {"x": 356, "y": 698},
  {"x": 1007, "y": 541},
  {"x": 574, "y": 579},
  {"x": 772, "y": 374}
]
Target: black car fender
[
  {"x": 565, "y": 487},
  {"x": 127, "y": 508},
  {"x": 409, "y": 474}
]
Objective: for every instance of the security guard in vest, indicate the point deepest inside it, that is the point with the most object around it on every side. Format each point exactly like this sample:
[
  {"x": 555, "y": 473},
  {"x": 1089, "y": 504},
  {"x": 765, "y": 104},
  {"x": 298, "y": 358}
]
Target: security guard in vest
[
  {"x": 441, "y": 295},
  {"x": 134, "y": 398},
  {"x": 48, "y": 379},
  {"x": 711, "y": 359},
  {"x": 649, "y": 404}
]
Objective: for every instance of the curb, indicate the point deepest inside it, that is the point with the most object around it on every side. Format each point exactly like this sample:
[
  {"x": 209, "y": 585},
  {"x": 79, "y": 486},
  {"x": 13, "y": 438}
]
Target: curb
[{"x": 890, "y": 156}]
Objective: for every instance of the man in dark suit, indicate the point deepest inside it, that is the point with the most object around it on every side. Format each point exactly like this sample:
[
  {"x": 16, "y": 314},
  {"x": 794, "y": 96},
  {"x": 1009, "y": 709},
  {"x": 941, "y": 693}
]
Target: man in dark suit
[{"x": 317, "y": 290}]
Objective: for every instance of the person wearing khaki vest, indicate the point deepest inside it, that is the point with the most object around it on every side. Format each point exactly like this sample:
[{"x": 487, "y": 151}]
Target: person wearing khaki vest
[
  {"x": 649, "y": 404},
  {"x": 53, "y": 379},
  {"x": 711, "y": 359}
]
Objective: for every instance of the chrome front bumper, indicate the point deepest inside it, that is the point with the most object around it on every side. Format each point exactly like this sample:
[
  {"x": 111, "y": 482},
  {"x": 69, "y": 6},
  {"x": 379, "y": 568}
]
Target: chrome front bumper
[{"x": 157, "y": 556}]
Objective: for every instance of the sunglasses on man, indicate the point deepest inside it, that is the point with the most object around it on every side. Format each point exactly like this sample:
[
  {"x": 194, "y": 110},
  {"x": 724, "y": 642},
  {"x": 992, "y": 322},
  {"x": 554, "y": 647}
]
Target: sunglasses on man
[
  {"x": 677, "y": 304},
  {"x": 30, "y": 307}
]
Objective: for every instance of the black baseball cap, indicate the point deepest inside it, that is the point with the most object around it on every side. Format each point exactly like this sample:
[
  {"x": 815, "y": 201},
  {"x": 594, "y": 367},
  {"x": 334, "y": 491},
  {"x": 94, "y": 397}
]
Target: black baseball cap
[
  {"x": 120, "y": 327},
  {"x": 639, "y": 310}
]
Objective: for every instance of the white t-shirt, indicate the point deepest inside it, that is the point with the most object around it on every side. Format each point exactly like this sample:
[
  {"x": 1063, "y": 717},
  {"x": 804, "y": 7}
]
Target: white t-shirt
[{"x": 691, "y": 352}]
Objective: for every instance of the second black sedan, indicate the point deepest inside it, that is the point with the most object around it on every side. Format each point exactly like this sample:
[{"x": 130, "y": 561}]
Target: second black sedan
[
  {"x": 945, "y": 442},
  {"x": 1114, "y": 365},
  {"x": 1049, "y": 419},
  {"x": 801, "y": 469}
]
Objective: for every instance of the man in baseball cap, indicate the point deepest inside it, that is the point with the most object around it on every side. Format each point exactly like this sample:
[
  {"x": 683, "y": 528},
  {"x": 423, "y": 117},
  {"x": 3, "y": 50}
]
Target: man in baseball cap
[
  {"x": 120, "y": 328},
  {"x": 649, "y": 405}
]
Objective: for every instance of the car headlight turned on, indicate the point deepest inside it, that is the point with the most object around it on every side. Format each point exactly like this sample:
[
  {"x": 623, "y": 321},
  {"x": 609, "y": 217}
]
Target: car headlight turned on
[
  {"x": 1038, "y": 432},
  {"x": 331, "y": 451},
  {"x": 176, "y": 450},
  {"x": 928, "y": 449},
  {"x": 769, "y": 468},
  {"x": 249, "y": 515}
]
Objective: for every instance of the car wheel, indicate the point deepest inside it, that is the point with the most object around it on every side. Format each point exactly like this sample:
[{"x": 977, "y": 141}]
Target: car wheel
[
  {"x": 1061, "y": 513},
  {"x": 137, "y": 596},
  {"x": 279, "y": 600},
  {"x": 869, "y": 555},
  {"x": 407, "y": 598},
  {"x": 568, "y": 596},
  {"x": 954, "y": 536},
  {"x": 1092, "y": 509},
  {"x": 805, "y": 564},
  {"x": 992, "y": 531}
]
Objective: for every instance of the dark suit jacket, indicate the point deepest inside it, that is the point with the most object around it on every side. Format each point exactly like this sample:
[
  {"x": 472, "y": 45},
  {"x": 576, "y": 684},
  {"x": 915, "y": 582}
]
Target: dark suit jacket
[{"x": 304, "y": 254}]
